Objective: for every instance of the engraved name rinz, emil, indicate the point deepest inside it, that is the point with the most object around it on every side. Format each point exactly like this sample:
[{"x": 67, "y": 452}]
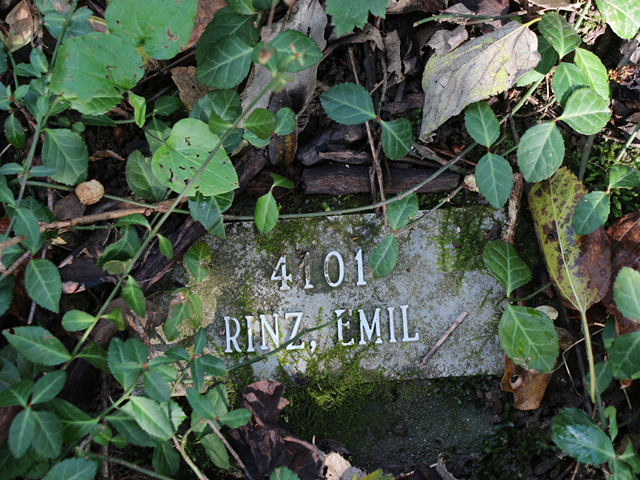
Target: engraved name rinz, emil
[{"x": 269, "y": 324}]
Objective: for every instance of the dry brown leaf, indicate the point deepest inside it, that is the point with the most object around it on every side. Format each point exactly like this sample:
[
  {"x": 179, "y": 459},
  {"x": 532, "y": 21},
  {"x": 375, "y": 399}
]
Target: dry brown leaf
[
  {"x": 190, "y": 90},
  {"x": 282, "y": 148},
  {"x": 556, "y": 4},
  {"x": 445, "y": 41},
  {"x": 527, "y": 387},
  {"x": 206, "y": 10},
  {"x": 22, "y": 26},
  {"x": 394, "y": 58}
]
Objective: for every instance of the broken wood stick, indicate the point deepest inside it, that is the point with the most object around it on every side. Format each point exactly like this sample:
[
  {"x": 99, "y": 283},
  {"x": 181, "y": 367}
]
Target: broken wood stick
[{"x": 439, "y": 343}]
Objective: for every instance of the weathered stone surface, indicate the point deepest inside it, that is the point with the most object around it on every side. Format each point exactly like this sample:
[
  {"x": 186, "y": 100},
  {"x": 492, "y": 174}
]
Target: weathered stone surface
[{"x": 245, "y": 285}]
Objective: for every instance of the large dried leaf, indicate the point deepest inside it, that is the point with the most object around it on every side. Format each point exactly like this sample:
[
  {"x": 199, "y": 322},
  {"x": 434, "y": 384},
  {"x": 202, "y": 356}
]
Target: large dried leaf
[
  {"x": 527, "y": 387},
  {"x": 579, "y": 266},
  {"x": 22, "y": 26},
  {"x": 483, "y": 67}
]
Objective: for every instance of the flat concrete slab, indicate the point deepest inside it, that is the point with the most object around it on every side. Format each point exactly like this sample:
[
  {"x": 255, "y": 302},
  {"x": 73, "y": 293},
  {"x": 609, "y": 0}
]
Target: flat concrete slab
[{"x": 264, "y": 289}]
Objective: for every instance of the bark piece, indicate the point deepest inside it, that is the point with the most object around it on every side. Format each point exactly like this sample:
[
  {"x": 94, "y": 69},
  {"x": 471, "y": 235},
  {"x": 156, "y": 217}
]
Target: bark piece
[
  {"x": 250, "y": 165},
  {"x": 309, "y": 153}
]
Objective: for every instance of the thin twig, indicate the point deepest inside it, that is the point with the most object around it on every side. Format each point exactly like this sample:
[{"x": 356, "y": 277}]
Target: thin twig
[
  {"x": 628, "y": 142},
  {"x": 231, "y": 450},
  {"x": 450, "y": 330},
  {"x": 187, "y": 459},
  {"x": 447, "y": 199},
  {"x": 132, "y": 466}
]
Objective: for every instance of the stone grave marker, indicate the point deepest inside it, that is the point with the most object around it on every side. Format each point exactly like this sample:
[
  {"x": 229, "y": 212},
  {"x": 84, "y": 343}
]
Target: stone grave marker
[{"x": 263, "y": 290}]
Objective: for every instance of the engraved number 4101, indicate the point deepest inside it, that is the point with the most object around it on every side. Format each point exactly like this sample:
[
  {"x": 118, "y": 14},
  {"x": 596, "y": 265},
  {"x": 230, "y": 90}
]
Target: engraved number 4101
[{"x": 280, "y": 274}]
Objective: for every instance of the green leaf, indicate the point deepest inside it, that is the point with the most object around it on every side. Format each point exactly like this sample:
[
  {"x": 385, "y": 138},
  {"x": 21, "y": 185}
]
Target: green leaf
[
  {"x": 10, "y": 466},
  {"x": 213, "y": 365},
  {"x": 178, "y": 354},
  {"x": 21, "y": 432},
  {"x": 280, "y": 181},
  {"x": 156, "y": 133},
  {"x": 101, "y": 103},
  {"x": 13, "y": 131},
  {"x": 122, "y": 250},
  {"x": 626, "y": 293},
  {"x": 559, "y": 33},
  {"x": 166, "y": 105},
  {"x": 199, "y": 342},
  {"x": 151, "y": 418},
  {"x": 293, "y": 51},
  {"x": 195, "y": 256},
  {"x": 47, "y": 437},
  {"x": 94, "y": 63},
  {"x": 396, "y": 138},
  {"x": 540, "y": 152},
  {"x": 482, "y": 124},
  {"x": 165, "y": 246},
  {"x": 225, "y": 23},
  {"x": 591, "y": 213},
  {"x": 17, "y": 394},
  {"x": 132, "y": 294},
  {"x": 134, "y": 219},
  {"x": 48, "y": 386},
  {"x": 78, "y": 26},
  {"x": 139, "y": 105},
  {"x": 586, "y": 112},
  {"x": 201, "y": 404},
  {"x": 285, "y": 121},
  {"x": 266, "y": 213},
  {"x": 254, "y": 140},
  {"x": 243, "y": 7},
  {"x": 217, "y": 124},
  {"x": 494, "y": 178},
  {"x": 141, "y": 179},
  {"x": 208, "y": 211},
  {"x": 225, "y": 63},
  {"x": 603, "y": 376},
  {"x": 216, "y": 450},
  {"x": 219, "y": 109},
  {"x": 65, "y": 152},
  {"x": 156, "y": 387},
  {"x": 124, "y": 422},
  {"x": 27, "y": 224},
  {"x": 348, "y": 104},
  {"x": 505, "y": 265},
  {"x": 623, "y": 176},
  {"x": 624, "y": 356},
  {"x": 529, "y": 338},
  {"x": 7, "y": 284},
  {"x": 185, "y": 306},
  {"x": 77, "y": 320},
  {"x": 186, "y": 150},
  {"x": 123, "y": 367},
  {"x": 567, "y": 79},
  {"x": 354, "y": 13},
  {"x": 594, "y": 70},
  {"x": 38, "y": 345},
  {"x": 96, "y": 356},
  {"x": 580, "y": 437},
  {"x": 174, "y": 413},
  {"x": 623, "y": 16},
  {"x": 216, "y": 402},
  {"x": 161, "y": 27},
  {"x": 548, "y": 55},
  {"x": 384, "y": 256},
  {"x": 401, "y": 211},
  {"x": 236, "y": 418},
  {"x": 166, "y": 460},
  {"x": 283, "y": 473},
  {"x": 261, "y": 122},
  {"x": 101, "y": 434}
]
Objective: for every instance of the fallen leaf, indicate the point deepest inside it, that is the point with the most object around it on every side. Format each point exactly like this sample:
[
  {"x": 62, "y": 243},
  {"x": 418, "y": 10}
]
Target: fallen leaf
[
  {"x": 488, "y": 8},
  {"x": 22, "y": 26},
  {"x": 394, "y": 58},
  {"x": 340, "y": 469},
  {"x": 206, "y": 10},
  {"x": 555, "y": 4},
  {"x": 625, "y": 250},
  {"x": 579, "y": 266},
  {"x": 444, "y": 41},
  {"x": 478, "y": 69},
  {"x": 527, "y": 387},
  {"x": 406, "y": 6},
  {"x": 190, "y": 90}
]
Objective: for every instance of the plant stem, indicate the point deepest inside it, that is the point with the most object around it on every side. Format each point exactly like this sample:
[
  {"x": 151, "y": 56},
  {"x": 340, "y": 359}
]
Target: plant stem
[
  {"x": 585, "y": 156},
  {"x": 592, "y": 367},
  {"x": 132, "y": 466},
  {"x": 541, "y": 289},
  {"x": 628, "y": 142},
  {"x": 231, "y": 450},
  {"x": 187, "y": 458},
  {"x": 484, "y": 18},
  {"x": 582, "y": 15},
  {"x": 447, "y": 199}
]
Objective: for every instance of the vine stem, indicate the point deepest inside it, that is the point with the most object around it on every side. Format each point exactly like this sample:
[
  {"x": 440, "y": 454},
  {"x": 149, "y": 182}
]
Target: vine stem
[
  {"x": 132, "y": 466},
  {"x": 592, "y": 367},
  {"x": 181, "y": 448},
  {"x": 233, "y": 452},
  {"x": 585, "y": 156},
  {"x": 628, "y": 142}
]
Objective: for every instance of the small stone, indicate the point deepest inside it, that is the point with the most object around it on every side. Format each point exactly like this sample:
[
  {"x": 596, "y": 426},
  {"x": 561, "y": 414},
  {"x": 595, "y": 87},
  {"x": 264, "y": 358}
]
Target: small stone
[{"x": 90, "y": 192}]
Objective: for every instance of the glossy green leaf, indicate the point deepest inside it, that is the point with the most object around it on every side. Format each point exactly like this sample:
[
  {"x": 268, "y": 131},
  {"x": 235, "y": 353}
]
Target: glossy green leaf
[
  {"x": 594, "y": 70},
  {"x": 225, "y": 63},
  {"x": 261, "y": 122},
  {"x": 77, "y": 320},
  {"x": 225, "y": 23},
  {"x": 548, "y": 55},
  {"x": 186, "y": 306},
  {"x": 208, "y": 211},
  {"x": 187, "y": 148},
  {"x": 161, "y": 27},
  {"x": 48, "y": 387},
  {"x": 141, "y": 179},
  {"x": 236, "y": 418},
  {"x": 623, "y": 16},
  {"x": 13, "y": 132},
  {"x": 243, "y": 7},
  {"x": 623, "y": 176},
  {"x": 123, "y": 367},
  {"x": 26, "y": 224},
  {"x": 65, "y": 152},
  {"x": 348, "y": 15},
  {"x": 219, "y": 109},
  {"x": 166, "y": 105},
  {"x": 283, "y": 473},
  {"x": 195, "y": 256},
  {"x": 254, "y": 140},
  {"x": 21, "y": 432},
  {"x": 540, "y": 152},
  {"x": 93, "y": 63},
  {"x": 383, "y": 257},
  {"x": 280, "y": 181},
  {"x": 505, "y": 265},
  {"x": 139, "y": 105},
  {"x": 213, "y": 365},
  {"x": 156, "y": 132},
  {"x": 101, "y": 434},
  {"x": 578, "y": 435},
  {"x": 396, "y": 138},
  {"x": 217, "y": 124},
  {"x": 43, "y": 284},
  {"x": 78, "y": 26},
  {"x": 626, "y": 293},
  {"x": 482, "y": 124},
  {"x": 174, "y": 413},
  {"x": 47, "y": 437},
  {"x": 624, "y": 356},
  {"x": 125, "y": 423},
  {"x": 156, "y": 387},
  {"x": 216, "y": 450},
  {"x": 266, "y": 213},
  {"x": 7, "y": 284},
  {"x": 586, "y": 111},
  {"x": 559, "y": 33},
  {"x": 151, "y": 418},
  {"x": 178, "y": 354},
  {"x": 134, "y": 219},
  {"x": 132, "y": 294},
  {"x": 529, "y": 338},
  {"x": 603, "y": 375},
  {"x": 115, "y": 317},
  {"x": 401, "y": 211},
  {"x": 11, "y": 169},
  {"x": 591, "y": 212},
  {"x": 199, "y": 341},
  {"x": 348, "y": 104},
  {"x": 122, "y": 250},
  {"x": 96, "y": 356},
  {"x": 165, "y": 246},
  {"x": 567, "y": 79},
  {"x": 202, "y": 405},
  {"x": 285, "y": 121},
  {"x": 17, "y": 394},
  {"x": 293, "y": 51},
  {"x": 494, "y": 178},
  {"x": 101, "y": 103},
  {"x": 166, "y": 459},
  {"x": 38, "y": 345}
]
